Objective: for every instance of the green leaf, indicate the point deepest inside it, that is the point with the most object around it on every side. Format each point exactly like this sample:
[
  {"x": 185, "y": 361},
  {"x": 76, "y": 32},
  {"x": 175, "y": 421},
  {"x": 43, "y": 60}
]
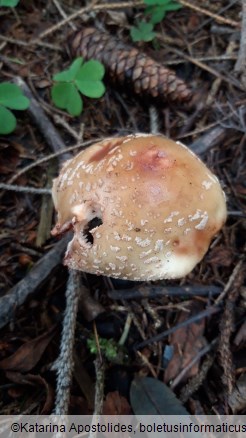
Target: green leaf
[
  {"x": 12, "y": 97},
  {"x": 107, "y": 346},
  {"x": 88, "y": 79},
  {"x": 157, "y": 9},
  {"x": 69, "y": 74},
  {"x": 75, "y": 103},
  {"x": 66, "y": 96},
  {"x": 92, "y": 70},
  {"x": 157, "y": 13},
  {"x": 90, "y": 88},
  {"x": 9, "y": 3},
  {"x": 7, "y": 121},
  {"x": 143, "y": 32},
  {"x": 157, "y": 2},
  {"x": 173, "y": 7}
]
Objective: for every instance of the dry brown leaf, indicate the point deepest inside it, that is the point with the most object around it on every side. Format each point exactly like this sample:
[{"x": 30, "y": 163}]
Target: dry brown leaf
[
  {"x": 116, "y": 404},
  {"x": 10, "y": 156},
  {"x": 187, "y": 342},
  {"x": 34, "y": 380},
  {"x": 28, "y": 355}
]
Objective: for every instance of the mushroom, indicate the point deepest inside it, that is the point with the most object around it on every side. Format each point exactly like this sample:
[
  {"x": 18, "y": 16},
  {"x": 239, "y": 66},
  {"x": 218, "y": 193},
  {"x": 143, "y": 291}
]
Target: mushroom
[{"x": 142, "y": 207}]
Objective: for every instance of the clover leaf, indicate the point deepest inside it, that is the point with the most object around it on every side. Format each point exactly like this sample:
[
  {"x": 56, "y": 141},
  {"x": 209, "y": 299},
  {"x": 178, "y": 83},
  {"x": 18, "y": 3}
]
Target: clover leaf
[
  {"x": 11, "y": 97},
  {"x": 156, "y": 2},
  {"x": 89, "y": 79},
  {"x": 69, "y": 74},
  {"x": 85, "y": 78},
  {"x": 143, "y": 32},
  {"x": 9, "y": 3},
  {"x": 66, "y": 96},
  {"x": 157, "y": 9}
]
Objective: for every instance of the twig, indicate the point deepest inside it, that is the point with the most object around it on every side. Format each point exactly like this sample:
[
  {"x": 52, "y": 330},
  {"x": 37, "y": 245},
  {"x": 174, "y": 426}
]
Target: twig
[
  {"x": 48, "y": 130},
  {"x": 217, "y": 82},
  {"x": 152, "y": 313},
  {"x": 64, "y": 363},
  {"x": 222, "y": 13},
  {"x": 46, "y": 210},
  {"x": 219, "y": 58},
  {"x": 195, "y": 382},
  {"x": 76, "y": 14},
  {"x": 60, "y": 121},
  {"x": 32, "y": 281},
  {"x": 227, "y": 325},
  {"x": 203, "y": 66},
  {"x": 25, "y": 189},
  {"x": 231, "y": 281},
  {"x": 195, "y": 359},
  {"x": 147, "y": 363},
  {"x": 154, "y": 122},
  {"x": 27, "y": 44},
  {"x": 99, "y": 353},
  {"x": 99, "y": 394},
  {"x": 197, "y": 131},
  {"x": 216, "y": 17},
  {"x": 240, "y": 66},
  {"x": 63, "y": 14},
  {"x": 142, "y": 292},
  {"x": 136, "y": 322},
  {"x": 208, "y": 140},
  {"x": 205, "y": 313},
  {"x": 51, "y": 156},
  {"x": 126, "y": 330}
]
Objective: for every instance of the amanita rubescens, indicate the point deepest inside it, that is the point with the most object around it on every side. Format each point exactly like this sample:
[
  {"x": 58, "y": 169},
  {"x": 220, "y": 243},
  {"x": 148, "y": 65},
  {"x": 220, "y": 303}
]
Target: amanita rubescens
[{"x": 142, "y": 207}]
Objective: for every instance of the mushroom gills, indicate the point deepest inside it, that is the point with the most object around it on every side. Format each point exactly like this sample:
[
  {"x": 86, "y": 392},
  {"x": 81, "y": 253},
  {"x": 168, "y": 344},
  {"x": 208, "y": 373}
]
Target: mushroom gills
[{"x": 91, "y": 225}]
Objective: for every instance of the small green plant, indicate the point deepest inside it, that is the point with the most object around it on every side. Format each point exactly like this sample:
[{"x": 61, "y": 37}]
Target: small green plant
[
  {"x": 9, "y": 3},
  {"x": 143, "y": 32},
  {"x": 80, "y": 78},
  {"x": 11, "y": 98},
  {"x": 108, "y": 347},
  {"x": 155, "y": 11}
]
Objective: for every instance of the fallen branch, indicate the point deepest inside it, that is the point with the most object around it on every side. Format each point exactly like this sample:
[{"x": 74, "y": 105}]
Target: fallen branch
[
  {"x": 32, "y": 281},
  {"x": 25, "y": 189},
  {"x": 205, "y": 313},
  {"x": 47, "y": 129},
  {"x": 208, "y": 140},
  {"x": 143, "y": 292}
]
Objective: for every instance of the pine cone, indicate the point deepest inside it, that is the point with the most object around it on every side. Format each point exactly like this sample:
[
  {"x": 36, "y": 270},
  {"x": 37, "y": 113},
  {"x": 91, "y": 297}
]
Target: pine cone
[{"x": 129, "y": 66}]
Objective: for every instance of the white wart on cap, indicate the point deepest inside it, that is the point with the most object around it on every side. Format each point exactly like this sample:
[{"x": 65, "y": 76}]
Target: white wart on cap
[{"x": 142, "y": 207}]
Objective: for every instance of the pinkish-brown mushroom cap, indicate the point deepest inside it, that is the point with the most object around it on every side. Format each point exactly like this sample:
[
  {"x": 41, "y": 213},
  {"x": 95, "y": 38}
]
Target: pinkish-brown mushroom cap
[{"x": 142, "y": 207}]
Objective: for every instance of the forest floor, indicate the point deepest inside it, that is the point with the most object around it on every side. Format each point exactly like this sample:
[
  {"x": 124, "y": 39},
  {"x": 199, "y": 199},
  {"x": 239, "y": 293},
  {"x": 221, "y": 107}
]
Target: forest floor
[{"x": 204, "y": 361}]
